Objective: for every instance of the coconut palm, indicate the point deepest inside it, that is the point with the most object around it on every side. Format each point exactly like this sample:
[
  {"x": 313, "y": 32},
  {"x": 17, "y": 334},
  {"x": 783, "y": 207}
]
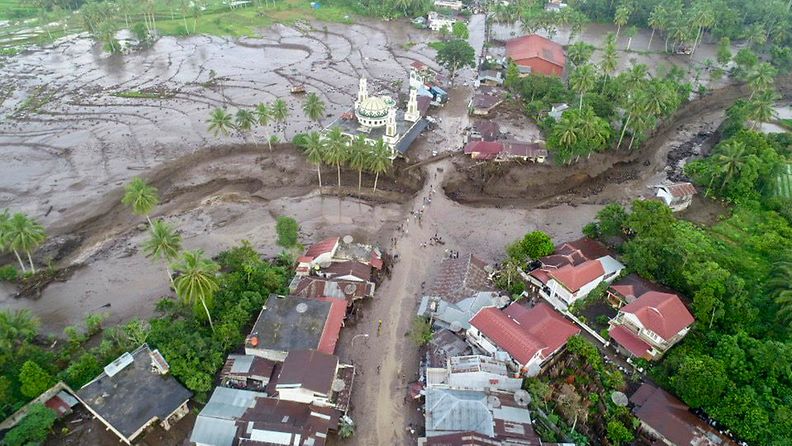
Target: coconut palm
[
  {"x": 264, "y": 116},
  {"x": 280, "y": 113},
  {"x": 219, "y": 122},
  {"x": 761, "y": 78},
  {"x": 314, "y": 108},
  {"x": 703, "y": 17},
  {"x": 730, "y": 160},
  {"x": 23, "y": 234},
  {"x": 780, "y": 287},
  {"x": 16, "y": 327},
  {"x": 760, "y": 108},
  {"x": 610, "y": 58},
  {"x": 336, "y": 152},
  {"x": 244, "y": 120},
  {"x": 579, "y": 53},
  {"x": 197, "y": 281},
  {"x": 621, "y": 17},
  {"x": 593, "y": 129},
  {"x": 658, "y": 19},
  {"x": 359, "y": 154},
  {"x": 164, "y": 244},
  {"x": 314, "y": 148},
  {"x": 582, "y": 80},
  {"x": 380, "y": 160},
  {"x": 634, "y": 104},
  {"x": 141, "y": 197}
]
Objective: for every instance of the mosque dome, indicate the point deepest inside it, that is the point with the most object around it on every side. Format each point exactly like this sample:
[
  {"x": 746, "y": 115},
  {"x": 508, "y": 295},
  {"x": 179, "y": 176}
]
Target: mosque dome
[{"x": 373, "y": 110}]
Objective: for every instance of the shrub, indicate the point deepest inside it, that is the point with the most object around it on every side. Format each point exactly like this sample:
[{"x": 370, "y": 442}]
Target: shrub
[
  {"x": 34, "y": 379},
  {"x": 33, "y": 429},
  {"x": 8, "y": 273},
  {"x": 287, "y": 229},
  {"x": 421, "y": 331},
  {"x": 93, "y": 323}
]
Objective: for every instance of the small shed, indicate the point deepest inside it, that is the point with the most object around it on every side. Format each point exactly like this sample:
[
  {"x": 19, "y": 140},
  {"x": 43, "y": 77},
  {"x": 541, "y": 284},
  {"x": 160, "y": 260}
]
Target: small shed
[{"x": 677, "y": 196}]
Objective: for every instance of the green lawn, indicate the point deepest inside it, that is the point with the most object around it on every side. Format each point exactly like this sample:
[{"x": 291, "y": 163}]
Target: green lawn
[{"x": 15, "y": 9}]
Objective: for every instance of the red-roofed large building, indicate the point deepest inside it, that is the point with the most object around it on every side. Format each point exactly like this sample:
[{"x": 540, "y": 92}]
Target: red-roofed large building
[
  {"x": 647, "y": 327},
  {"x": 572, "y": 271},
  {"x": 536, "y": 54},
  {"x": 524, "y": 338}
]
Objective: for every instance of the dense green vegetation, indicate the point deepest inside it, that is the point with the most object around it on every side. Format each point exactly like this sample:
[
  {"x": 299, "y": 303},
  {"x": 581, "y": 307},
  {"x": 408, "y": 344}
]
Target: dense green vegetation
[
  {"x": 763, "y": 24},
  {"x": 609, "y": 112},
  {"x": 736, "y": 273},
  {"x": 30, "y": 363}
]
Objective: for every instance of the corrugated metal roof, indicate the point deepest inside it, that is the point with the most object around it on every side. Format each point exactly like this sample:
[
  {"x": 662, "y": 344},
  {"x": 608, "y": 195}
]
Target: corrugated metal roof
[
  {"x": 241, "y": 363},
  {"x": 214, "y": 431},
  {"x": 229, "y": 403}
]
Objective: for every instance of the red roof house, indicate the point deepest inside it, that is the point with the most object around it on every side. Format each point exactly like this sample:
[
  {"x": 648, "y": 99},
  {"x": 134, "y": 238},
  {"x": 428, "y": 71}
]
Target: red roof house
[
  {"x": 575, "y": 277},
  {"x": 536, "y": 54},
  {"x": 650, "y": 325},
  {"x": 320, "y": 253},
  {"x": 528, "y": 336}
]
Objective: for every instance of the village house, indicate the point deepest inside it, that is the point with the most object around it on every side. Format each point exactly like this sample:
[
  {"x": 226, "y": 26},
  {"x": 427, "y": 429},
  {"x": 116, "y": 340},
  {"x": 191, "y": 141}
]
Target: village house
[
  {"x": 534, "y": 54},
  {"x": 242, "y": 417},
  {"x": 474, "y": 372},
  {"x": 571, "y": 283},
  {"x": 460, "y": 288},
  {"x": 524, "y": 338},
  {"x": 444, "y": 345},
  {"x": 134, "y": 392},
  {"x": 456, "y": 5},
  {"x": 316, "y": 378},
  {"x": 628, "y": 288},
  {"x": 571, "y": 272},
  {"x": 438, "y": 21},
  {"x": 668, "y": 421},
  {"x": 334, "y": 250},
  {"x": 677, "y": 196},
  {"x": 506, "y": 151},
  {"x": 490, "y": 78},
  {"x": 350, "y": 291},
  {"x": 482, "y": 130},
  {"x": 485, "y": 100},
  {"x": 497, "y": 416},
  {"x": 248, "y": 372},
  {"x": 296, "y": 323},
  {"x": 650, "y": 325}
]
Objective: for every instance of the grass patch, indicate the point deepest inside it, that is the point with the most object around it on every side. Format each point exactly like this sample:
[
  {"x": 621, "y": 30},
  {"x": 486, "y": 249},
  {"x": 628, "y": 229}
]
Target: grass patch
[
  {"x": 144, "y": 94},
  {"x": 15, "y": 9},
  {"x": 38, "y": 98},
  {"x": 785, "y": 123}
]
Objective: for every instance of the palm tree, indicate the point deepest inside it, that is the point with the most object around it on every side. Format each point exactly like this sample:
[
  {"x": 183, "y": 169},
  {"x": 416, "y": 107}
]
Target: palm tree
[
  {"x": 16, "y": 327},
  {"x": 579, "y": 53},
  {"x": 760, "y": 108},
  {"x": 197, "y": 281},
  {"x": 761, "y": 78},
  {"x": 280, "y": 113},
  {"x": 315, "y": 148},
  {"x": 730, "y": 160},
  {"x": 635, "y": 104},
  {"x": 164, "y": 244},
  {"x": 593, "y": 129},
  {"x": 380, "y": 160},
  {"x": 314, "y": 108},
  {"x": 23, "y": 234},
  {"x": 780, "y": 288},
  {"x": 336, "y": 152},
  {"x": 359, "y": 154},
  {"x": 220, "y": 122},
  {"x": 658, "y": 19},
  {"x": 141, "y": 197},
  {"x": 610, "y": 59},
  {"x": 567, "y": 131},
  {"x": 264, "y": 115},
  {"x": 621, "y": 17},
  {"x": 703, "y": 17},
  {"x": 244, "y": 121},
  {"x": 583, "y": 80}
]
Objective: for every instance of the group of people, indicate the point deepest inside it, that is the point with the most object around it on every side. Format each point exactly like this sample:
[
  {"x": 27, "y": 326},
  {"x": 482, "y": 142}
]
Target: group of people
[
  {"x": 452, "y": 254},
  {"x": 435, "y": 240}
]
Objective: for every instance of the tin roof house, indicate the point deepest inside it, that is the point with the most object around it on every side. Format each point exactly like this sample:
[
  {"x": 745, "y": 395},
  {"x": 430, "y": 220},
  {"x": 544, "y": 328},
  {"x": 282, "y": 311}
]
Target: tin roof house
[
  {"x": 134, "y": 392},
  {"x": 677, "y": 196}
]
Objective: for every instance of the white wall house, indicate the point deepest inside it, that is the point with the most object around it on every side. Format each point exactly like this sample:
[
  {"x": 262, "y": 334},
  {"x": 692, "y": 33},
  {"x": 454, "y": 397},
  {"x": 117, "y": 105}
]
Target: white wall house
[
  {"x": 439, "y": 21},
  {"x": 572, "y": 283},
  {"x": 677, "y": 196},
  {"x": 650, "y": 325}
]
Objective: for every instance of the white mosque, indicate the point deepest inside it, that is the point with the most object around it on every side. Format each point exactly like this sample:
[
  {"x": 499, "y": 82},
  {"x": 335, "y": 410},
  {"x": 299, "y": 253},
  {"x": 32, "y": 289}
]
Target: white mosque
[{"x": 378, "y": 117}]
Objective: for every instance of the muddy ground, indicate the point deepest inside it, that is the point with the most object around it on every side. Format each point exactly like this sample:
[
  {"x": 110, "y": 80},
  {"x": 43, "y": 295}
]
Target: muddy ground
[{"x": 69, "y": 145}]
